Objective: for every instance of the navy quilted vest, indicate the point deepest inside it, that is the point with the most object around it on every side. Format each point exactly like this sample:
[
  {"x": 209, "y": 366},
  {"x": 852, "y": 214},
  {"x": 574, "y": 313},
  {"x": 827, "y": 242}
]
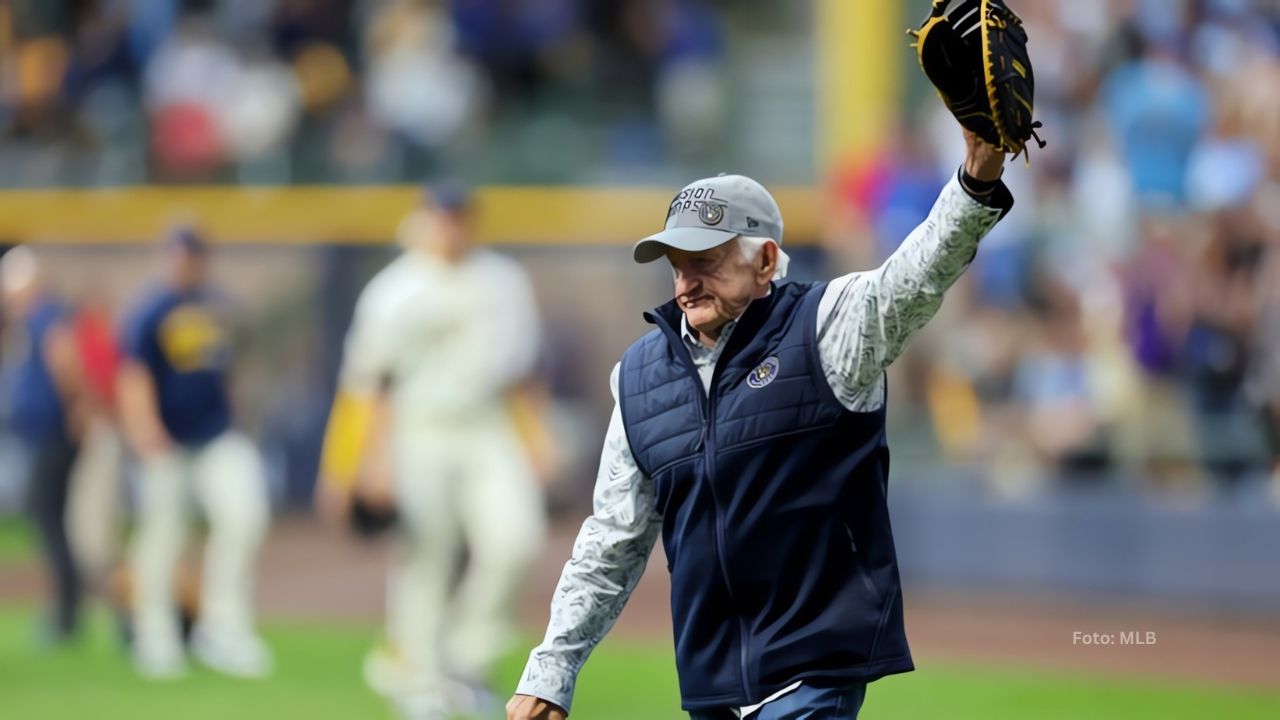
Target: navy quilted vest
[{"x": 772, "y": 496}]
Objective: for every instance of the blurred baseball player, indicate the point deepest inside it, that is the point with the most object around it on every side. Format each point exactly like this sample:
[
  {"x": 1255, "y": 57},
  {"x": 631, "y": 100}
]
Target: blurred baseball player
[
  {"x": 95, "y": 506},
  {"x": 749, "y": 432},
  {"x": 49, "y": 408},
  {"x": 441, "y": 340},
  {"x": 176, "y": 414}
]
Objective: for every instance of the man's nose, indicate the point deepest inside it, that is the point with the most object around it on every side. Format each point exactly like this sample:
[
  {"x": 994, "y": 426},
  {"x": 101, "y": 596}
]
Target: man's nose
[{"x": 686, "y": 283}]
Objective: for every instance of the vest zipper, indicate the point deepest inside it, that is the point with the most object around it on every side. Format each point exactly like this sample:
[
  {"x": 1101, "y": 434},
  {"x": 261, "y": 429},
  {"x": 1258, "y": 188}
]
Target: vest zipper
[
  {"x": 708, "y": 448},
  {"x": 707, "y": 410}
]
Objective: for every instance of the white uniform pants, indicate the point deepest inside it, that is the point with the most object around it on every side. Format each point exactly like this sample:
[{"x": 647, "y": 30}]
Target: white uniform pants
[
  {"x": 225, "y": 479},
  {"x": 470, "y": 484},
  {"x": 93, "y": 515}
]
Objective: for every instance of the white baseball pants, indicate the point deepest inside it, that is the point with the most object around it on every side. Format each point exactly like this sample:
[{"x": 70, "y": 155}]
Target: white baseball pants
[
  {"x": 225, "y": 480},
  {"x": 472, "y": 484},
  {"x": 93, "y": 512}
]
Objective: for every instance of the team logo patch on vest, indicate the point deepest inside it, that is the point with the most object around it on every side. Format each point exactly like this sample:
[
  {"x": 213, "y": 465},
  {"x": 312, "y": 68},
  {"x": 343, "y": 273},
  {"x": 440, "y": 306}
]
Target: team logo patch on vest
[
  {"x": 710, "y": 213},
  {"x": 764, "y": 373}
]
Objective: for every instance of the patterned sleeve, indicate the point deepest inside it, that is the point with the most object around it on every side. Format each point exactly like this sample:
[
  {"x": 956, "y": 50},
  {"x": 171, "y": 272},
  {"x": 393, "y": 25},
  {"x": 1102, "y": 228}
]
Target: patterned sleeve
[
  {"x": 609, "y": 557},
  {"x": 866, "y": 318}
]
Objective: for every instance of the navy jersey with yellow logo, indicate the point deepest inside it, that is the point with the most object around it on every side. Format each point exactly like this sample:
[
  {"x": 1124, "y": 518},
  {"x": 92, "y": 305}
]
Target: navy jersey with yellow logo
[{"x": 184, "y": 339}]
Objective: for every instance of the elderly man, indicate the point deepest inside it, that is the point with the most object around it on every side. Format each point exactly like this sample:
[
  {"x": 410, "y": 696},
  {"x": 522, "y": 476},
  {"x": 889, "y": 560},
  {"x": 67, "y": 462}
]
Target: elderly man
[{"x": 750, "y": 432}]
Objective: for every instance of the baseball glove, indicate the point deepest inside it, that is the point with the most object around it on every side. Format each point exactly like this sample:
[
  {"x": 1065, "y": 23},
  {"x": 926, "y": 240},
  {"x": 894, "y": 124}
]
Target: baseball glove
[{"x": 975, "y": 53}]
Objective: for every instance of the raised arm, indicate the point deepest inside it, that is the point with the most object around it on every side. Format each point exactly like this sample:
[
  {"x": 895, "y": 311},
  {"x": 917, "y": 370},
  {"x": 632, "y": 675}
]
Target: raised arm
[
  {"x": 866, "y": 318},
  {"x": 608, "y": 559}
]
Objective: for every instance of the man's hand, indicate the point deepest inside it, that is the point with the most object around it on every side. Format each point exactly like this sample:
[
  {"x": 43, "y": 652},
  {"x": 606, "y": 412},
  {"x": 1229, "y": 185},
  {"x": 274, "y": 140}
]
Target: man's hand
[
  {"x": 982, "y": 160},
  {"x": 376, "y": 485},
  {"x": 528, "y": 707},
  {"x": 332, "y": 502}
]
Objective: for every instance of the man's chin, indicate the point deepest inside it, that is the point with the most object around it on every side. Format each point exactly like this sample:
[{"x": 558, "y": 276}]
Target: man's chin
[{"x": 705, "y": 322}]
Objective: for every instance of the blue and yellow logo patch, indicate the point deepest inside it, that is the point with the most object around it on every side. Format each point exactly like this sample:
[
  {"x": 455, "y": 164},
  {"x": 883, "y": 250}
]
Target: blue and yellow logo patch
[{"x": 763, "y": 374}]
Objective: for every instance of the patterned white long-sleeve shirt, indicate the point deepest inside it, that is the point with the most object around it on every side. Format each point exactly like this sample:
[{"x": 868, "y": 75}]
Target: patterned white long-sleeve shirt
[{"x": 864, "y": 321}]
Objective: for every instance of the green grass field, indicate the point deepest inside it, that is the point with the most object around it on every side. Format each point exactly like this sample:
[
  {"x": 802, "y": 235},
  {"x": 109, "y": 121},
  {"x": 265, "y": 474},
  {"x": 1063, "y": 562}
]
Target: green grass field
[
  {"x": 319, "y": 677},
  {"x": 15, "y": 540}
]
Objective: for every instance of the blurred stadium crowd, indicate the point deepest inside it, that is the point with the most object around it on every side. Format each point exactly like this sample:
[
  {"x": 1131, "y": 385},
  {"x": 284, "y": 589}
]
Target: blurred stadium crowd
[
  {"x": 278, "y": 91},
  {"x": 1124, "y": 321},
  {"x": 1121, "y": 325}
]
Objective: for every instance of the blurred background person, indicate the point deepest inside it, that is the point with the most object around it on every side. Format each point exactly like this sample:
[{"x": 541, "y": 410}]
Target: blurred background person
[
  {"x": 176, "y": 413},
  {"x": 49, "y": 410},
  {"x": 1263, "y": 383},
  {"x": 95, "y": 516},
  {"x": 1224, "y": 309},
  {"x": 433, "y": 386}
]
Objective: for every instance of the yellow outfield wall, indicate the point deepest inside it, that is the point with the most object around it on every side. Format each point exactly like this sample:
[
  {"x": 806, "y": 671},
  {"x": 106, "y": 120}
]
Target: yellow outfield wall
[{"x": 353, "y": 214}]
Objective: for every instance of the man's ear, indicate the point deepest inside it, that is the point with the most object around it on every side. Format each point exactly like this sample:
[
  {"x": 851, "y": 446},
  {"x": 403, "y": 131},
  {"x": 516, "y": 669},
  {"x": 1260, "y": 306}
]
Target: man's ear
[{"x": 768, "y": 263}]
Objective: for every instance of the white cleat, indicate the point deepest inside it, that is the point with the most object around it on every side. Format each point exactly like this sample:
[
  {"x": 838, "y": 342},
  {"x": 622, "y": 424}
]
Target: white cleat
[
  {"x": 160, "y": 666},
  {"x": 422, "y": 706},
  {"x": 465, "y": 699},
  {"x": 385, "y": 671},
  {"x": 242, "y": 656}
]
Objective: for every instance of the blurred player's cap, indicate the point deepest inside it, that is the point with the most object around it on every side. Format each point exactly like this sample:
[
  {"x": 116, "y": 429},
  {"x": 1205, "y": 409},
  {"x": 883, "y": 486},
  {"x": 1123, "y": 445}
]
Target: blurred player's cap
[
  {"x": 711, "y": 212},
  {"x": 186, "y": 238},
  {"x": 449, "y": 196}
]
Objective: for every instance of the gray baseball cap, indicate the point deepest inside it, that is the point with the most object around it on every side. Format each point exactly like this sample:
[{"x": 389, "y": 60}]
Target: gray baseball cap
[{"x": 711, "y": 212}]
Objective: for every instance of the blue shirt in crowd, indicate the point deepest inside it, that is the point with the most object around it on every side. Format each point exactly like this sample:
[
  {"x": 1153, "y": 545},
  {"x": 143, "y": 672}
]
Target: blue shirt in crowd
[
  {"x": 1158, "y": 111},
  {"x": 183, "y": 338}
]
